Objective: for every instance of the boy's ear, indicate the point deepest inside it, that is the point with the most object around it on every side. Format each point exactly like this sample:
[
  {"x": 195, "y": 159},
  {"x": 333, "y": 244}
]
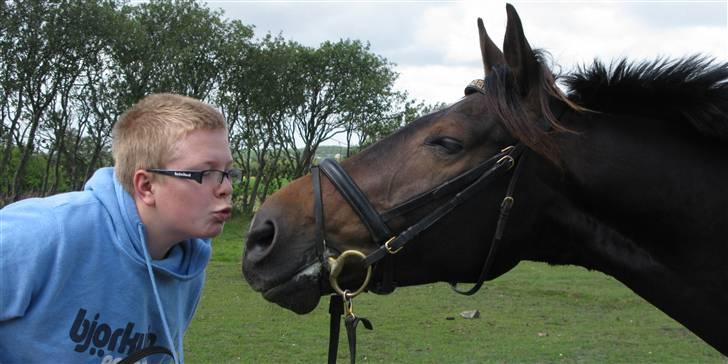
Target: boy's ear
[{"x": 143, "y": 189}]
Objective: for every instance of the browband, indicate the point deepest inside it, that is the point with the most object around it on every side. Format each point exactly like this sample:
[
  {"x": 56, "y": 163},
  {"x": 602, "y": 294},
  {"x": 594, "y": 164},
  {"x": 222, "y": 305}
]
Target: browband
[{"x": 474, "y": 86}]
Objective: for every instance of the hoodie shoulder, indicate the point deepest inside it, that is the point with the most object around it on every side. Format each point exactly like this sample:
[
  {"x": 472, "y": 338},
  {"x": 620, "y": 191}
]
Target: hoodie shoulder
[{"x": 34, "y": 235}]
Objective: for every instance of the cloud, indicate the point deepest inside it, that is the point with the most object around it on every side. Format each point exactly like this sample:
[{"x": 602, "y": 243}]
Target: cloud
[
  {"x": 435, "y": 44},
  {"x": 573, "y": 33},
  {"x": 436, "y": 83}
]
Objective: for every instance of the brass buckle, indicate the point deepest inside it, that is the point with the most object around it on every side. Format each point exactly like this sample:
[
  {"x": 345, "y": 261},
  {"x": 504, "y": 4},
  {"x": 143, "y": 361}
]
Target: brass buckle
[
  {"x": 389, "y": 248},
  {"x": 508, "y": 149},
  {"x": 336, "y": 265},
  {"x": 503, "y": 159}
]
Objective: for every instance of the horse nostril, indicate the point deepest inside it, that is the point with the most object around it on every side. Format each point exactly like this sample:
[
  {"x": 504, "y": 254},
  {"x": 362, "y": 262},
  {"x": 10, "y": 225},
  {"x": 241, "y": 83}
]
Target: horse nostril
[{"x": 260, "y": 240}]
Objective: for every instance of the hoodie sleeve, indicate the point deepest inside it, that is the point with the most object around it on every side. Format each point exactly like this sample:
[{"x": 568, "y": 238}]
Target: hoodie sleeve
[{"x": 28, "y": 238}]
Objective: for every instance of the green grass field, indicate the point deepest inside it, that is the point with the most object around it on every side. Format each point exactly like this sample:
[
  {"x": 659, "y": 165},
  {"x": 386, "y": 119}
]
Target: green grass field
[{"x": 533, "y": 314}]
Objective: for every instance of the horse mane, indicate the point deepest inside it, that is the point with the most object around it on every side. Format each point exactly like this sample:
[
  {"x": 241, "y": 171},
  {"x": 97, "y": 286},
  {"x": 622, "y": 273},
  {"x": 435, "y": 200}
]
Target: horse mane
[{"x": 692, "y": 89}]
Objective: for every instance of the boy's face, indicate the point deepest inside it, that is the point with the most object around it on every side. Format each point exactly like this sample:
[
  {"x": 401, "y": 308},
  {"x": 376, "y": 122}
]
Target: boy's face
[{"x": 186, "y": 208}]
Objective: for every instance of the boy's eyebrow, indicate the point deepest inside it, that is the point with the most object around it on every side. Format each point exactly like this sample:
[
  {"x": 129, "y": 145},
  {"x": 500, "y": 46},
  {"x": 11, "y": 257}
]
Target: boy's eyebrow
[{"x": 212, "y": 165}]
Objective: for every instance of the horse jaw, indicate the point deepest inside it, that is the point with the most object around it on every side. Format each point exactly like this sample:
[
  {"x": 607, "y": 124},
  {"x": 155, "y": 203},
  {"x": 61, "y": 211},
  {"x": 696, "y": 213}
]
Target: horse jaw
[{"x": 298, "y": 294}]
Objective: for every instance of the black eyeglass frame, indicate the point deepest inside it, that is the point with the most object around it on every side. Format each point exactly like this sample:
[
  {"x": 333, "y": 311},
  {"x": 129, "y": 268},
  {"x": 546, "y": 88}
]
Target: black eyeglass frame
[{"x": 197, "y": 176}]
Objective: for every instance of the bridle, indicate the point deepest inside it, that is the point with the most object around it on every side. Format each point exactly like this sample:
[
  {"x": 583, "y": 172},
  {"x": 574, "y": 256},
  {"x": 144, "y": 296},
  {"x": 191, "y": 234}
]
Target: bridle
[{"x": 464, "y": 186}]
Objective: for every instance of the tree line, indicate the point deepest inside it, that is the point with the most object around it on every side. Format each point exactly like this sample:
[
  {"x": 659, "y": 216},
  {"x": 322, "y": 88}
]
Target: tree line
[{"x": 68, "y": 69}]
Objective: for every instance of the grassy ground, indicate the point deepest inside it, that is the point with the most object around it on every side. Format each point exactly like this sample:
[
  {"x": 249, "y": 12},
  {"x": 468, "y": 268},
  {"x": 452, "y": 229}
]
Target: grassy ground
[{"x": 533, "y": 314}]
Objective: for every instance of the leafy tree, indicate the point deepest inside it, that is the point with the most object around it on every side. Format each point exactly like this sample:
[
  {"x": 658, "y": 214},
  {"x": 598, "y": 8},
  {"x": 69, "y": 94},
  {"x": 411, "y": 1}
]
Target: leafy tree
[
  {"x": 170, "y": 46},
  {"x": 49, "y": 44},
  {"x": 235, "y": 96},
  {"x": 276, "y": 93},
  {"x": 68, "y": 69},
  {"x": 11, "y": 101},
  {"x": 341, "y": 81}
]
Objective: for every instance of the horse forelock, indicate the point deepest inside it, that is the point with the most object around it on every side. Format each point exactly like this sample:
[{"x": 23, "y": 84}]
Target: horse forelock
[
  {"x": 691, "y": 89},
  {"x": 529, "y": 119}
]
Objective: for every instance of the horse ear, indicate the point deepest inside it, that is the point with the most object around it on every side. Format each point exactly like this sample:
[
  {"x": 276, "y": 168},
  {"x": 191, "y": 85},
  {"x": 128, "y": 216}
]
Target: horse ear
[
  {"x": 518, "y": 53},
  {"x": 491, "y": 54}
]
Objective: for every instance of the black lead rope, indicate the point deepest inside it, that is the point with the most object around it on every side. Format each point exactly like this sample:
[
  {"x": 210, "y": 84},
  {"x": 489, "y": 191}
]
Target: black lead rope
[
  {"x": 337, "y": 306},
  {"x": 336, "y": 309},
  {"x": 351, "y": 321}
]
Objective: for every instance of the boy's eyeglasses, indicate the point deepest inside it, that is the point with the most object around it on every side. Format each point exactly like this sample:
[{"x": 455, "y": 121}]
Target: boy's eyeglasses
[{"x": 233, "y": 174}]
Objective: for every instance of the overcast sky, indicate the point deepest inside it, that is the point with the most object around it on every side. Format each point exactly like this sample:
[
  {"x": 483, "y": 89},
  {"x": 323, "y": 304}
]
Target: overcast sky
[{"x": 434, "y": 44}]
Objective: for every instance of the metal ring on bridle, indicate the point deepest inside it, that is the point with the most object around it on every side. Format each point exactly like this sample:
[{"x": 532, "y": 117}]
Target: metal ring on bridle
[{"x": 336, "y": 265}]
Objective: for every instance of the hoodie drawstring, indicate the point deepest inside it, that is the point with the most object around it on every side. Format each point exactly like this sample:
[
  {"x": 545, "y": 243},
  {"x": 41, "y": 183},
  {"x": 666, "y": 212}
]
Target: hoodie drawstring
[{"x": 160, "y": 308}]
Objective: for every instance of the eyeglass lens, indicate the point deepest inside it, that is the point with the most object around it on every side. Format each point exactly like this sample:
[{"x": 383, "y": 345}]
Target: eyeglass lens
[{"x": 219, "y": 176}]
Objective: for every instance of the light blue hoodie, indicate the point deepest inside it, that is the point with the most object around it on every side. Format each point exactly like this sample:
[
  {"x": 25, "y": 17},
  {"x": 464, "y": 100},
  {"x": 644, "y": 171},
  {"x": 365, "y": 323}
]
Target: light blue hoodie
[{"x": 77, "y": 284}]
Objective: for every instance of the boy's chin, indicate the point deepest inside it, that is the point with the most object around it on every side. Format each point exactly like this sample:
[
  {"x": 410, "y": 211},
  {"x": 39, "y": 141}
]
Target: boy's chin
[{"x": 214, "y": 231}]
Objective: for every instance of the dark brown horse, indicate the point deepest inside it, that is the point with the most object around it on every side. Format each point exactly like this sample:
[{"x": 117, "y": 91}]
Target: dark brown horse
[{"x": 625, "y": 175}]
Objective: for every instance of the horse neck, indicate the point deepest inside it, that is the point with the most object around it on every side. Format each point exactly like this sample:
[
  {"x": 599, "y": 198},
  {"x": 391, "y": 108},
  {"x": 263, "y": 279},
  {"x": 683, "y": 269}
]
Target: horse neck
[
  {"x": 643, "y": 202},
  {"x": 657, "y": 183}
]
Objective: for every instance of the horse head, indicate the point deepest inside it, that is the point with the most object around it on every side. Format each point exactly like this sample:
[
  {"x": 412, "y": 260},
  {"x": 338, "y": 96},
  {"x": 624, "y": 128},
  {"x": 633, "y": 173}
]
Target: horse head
[{"x": 282, "y": 257}]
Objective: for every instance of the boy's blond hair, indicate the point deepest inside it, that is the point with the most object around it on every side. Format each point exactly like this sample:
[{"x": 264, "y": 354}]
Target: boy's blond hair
[{"x": 146, "y": 134}]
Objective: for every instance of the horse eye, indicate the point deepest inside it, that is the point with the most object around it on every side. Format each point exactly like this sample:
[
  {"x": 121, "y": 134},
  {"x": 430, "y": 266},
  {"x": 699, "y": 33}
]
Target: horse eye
[{"x": 448, "y": 145}]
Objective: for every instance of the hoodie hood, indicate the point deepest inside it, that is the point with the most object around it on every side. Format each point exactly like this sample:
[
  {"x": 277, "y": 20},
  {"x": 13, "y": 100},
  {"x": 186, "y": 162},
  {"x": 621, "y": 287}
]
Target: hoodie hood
[{"x": 185, "y": 260}]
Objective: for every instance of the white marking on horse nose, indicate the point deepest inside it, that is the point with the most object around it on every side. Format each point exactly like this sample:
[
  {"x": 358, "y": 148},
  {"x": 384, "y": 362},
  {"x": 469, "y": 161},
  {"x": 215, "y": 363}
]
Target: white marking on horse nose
[{"x": 312, "y": 271}]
